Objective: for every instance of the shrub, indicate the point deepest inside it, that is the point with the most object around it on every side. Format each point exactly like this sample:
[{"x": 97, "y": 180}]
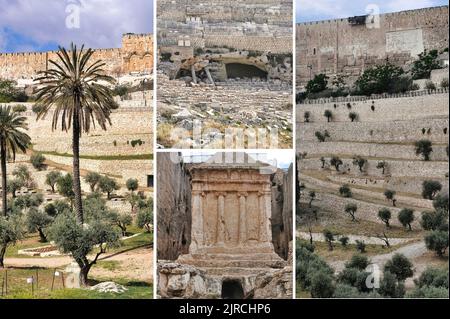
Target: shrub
[
  {"x": 312, "y": 196},
  {"x": 430, "y": 86},
  {"x": 433, "y": 277},
  {"x": 345, "y": 291},
  {"x": 20, "y": 108},
  {"x": 406, "y": 217},
  {"x": 430, "y": 189},
  {"x": 345, "y": 191},
  {"x": 379, "y": 79},
  {"x": 320, "y": 136},
  {"x": 318, "y": 84},
  {"x": 321, "y": 285},
  {"x": 11, "y": 231},
  {"x": 385, "y": 215},
  {"x": 307, "y": 116},
  {"x": 444, "y": 83},
  {"x": 400, "y": 267},
  {"x": 436, "y": 220},
  {"x": 37, "y": 108},
  {"x": 427, "y": 62},
  {"x": 391, "y": 287},
  {"x": 437, "y": 241},
  {"x": 37, "y": 160},
  {"x": 428, "y": 293},
  {"x": 359, "y": 262},
  {"x": 361, "y": 246},
  {"x": 440, "y": 202},
  {"x": 344, "y": 241}
]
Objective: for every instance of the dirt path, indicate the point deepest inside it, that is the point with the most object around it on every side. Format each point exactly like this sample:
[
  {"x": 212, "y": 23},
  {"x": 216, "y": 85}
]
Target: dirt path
[
  {"x": 136, "y": 264},
  {"x": 412, "y": 251},
  {"x": 353, "y": 238}
]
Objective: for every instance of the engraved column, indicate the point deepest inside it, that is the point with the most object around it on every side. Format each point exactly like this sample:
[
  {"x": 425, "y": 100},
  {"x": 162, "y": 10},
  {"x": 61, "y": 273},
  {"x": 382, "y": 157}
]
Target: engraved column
[
  {"x": 220, "y": 219},
  {"x": 197, "y": 239},
  {"x": 242, "y": 218}
]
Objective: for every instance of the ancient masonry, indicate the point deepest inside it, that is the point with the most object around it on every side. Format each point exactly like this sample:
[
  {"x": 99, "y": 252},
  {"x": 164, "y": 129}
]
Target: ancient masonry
[
  {"x": 135, "y": 56},
  {"x": 348, "y": 46},
  {"x": 231, "y": 252}
]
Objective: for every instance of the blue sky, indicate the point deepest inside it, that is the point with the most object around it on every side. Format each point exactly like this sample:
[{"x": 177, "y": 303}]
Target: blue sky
[
  {"x": 315, "y": 10},
  {"x": 41, "y": 25}
]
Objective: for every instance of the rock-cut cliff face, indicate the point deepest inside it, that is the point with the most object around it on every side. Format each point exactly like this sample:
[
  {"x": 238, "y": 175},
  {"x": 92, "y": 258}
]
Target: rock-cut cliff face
[
  {"x": 174, "y": 207},
  {"x": 282, "y": 211}
]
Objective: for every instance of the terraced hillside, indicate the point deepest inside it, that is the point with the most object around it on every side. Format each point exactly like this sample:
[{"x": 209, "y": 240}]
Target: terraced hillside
[{"x": 357, "y": 155}]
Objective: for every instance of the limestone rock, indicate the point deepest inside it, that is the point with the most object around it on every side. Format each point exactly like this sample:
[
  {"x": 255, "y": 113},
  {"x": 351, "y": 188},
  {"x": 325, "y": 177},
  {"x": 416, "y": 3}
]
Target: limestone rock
[{"x": 109, "y": 287}]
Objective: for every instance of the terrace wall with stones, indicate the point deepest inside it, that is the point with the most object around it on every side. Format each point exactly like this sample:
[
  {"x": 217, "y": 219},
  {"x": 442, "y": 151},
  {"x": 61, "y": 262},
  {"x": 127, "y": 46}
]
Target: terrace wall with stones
[
  {"x": 345, "y": 48},
  {"x": 385, "y": 130},
  {"x": 135, "y": 55}
]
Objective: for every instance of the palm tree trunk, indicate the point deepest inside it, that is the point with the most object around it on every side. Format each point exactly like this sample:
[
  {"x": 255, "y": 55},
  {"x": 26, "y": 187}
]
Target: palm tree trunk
[
  {"x": 4, "y": 186},
  {"x": 76, "y": 168}
]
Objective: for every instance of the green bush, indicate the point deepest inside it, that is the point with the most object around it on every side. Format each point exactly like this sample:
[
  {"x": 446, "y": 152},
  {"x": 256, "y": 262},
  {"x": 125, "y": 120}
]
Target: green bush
[
  {"x": 406, "y": 217},
  {"x": 385, "y": 215},
  {"x": 20, "y": 108},
  {"x": 400, "y": 267},
  {"x": 321, "y": 285},
  {"x": 379, "y": 79},
  {"x": 427, "y": 62},
  {"x": 430, "y": 189},
  {"x": 345, "y": 191},
  {"x": 437, "y": 241},
  {"x": 318, "y": 84},
  {"x": 435, "y": 220},
  {"x": 37, "y": 160},
  {"x": 430, "y": 86}
]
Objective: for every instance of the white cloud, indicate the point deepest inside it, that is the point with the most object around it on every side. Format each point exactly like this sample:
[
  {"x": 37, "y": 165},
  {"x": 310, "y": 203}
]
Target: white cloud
[{"x": 102, "y": 22}]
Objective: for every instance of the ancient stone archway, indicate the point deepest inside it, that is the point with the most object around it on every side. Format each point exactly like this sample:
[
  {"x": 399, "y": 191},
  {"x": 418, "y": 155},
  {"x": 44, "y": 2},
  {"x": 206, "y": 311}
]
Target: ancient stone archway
[
  {"x": 239, "y": 70},
  {"x": 232, "y": 289}
]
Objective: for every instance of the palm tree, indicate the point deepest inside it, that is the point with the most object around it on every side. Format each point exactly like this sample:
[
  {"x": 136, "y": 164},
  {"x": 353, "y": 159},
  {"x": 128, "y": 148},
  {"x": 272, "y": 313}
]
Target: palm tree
[
  {"x": 77, "y": 91},
  {"x": 12, "y": 139}
]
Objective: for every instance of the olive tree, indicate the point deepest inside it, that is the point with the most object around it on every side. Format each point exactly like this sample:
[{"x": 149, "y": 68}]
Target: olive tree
[
  {"x": 38, "y": 221},
  {"x": 329, "y": 238},
  {"x": 351, "y": 210},
  {"x": 144, "y": 218},
  {"x": 336, "y": 162},
  {"x": 385, "y": 215},
  {"x": 52, "y": 179},
  {"x": 132, "y": 184},
  {"x": 390, "y": 195},
  {"x": 95, "y": 237},
  {"x": 430, "y": 189},
  {"x": 108, "y": 185},
  {"x": 424, "y": 148},
  {"x": 122, "y": 220},
  {"x": 437, "y": 241},
  {"x": 382, "y": 165},
  {"x": 406, "y": 217},
  {"x": 360, "y": 162},
  {"x": 92, "y": 178},
  {"x": 345, "y": 191},
  {"x": 11, "y": 230},
  {"x": 400, "y": 266},
  {"x": 37, "y": 160},
  {"x": 328, "y": 114}
]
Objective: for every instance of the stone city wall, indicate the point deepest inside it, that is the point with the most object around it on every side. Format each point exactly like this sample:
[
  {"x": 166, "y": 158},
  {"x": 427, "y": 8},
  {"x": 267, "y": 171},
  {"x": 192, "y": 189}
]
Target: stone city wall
[
  {"x": 344, "y": 48},
  {"x": 135, "y": 55}
]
